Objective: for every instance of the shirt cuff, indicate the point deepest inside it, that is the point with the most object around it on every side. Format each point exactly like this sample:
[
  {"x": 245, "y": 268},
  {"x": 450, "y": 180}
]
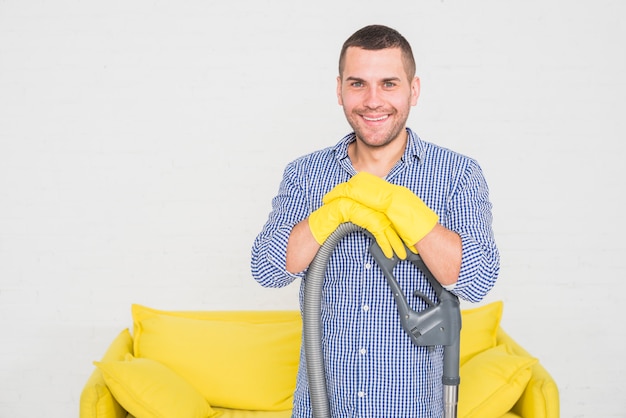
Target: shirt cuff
[{"x": 277, "y": 253}]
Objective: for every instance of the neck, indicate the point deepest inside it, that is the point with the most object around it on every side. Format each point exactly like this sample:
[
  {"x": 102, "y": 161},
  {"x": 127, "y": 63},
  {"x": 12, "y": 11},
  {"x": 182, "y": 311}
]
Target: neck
[{"x": 377, "y": 160}]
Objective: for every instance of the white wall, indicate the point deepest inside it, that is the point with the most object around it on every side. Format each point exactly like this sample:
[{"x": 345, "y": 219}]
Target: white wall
[{"x": 141, "y": 143}]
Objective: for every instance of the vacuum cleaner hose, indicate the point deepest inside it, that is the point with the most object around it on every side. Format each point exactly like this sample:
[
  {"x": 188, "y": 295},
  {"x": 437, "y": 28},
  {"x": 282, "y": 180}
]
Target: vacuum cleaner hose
[
  {"x": 437, "y": 325},
  {"x": 311, "y": 324}
]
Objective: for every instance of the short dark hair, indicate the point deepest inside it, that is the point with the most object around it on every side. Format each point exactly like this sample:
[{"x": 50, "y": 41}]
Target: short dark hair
[{"x": 376, "y": 37}]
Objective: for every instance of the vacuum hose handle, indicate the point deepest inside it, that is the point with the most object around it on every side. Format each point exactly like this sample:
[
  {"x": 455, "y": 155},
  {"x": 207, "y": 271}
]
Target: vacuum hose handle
[{"x": 438, "y": 324}]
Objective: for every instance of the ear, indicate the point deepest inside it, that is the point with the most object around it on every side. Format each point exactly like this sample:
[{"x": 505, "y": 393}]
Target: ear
[
  {"x": 415, "y": 91},
  {"x": 339, "y": 99}
]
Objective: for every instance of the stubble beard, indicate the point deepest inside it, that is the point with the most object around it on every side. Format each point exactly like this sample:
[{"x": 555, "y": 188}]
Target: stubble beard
[{"x": 379, "y": 139}]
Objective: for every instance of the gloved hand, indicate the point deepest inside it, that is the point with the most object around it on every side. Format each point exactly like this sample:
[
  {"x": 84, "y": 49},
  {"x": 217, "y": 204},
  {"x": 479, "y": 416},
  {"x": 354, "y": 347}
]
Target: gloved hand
[
  {"x": 329, "y": 216},
  {"x": 411, "y": 218}
]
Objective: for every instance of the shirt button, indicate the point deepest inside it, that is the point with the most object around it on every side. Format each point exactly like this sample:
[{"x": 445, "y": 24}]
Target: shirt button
[
  {"x": 363, "y": 351},
  {"x": 368, "y": 266},
  {"x": 366, "y": 308},
  {"x": 361, "y": 394}
]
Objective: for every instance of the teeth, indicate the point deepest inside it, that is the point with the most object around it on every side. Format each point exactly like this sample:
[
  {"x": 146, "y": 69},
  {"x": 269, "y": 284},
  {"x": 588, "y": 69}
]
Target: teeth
[{"x": 375, "y": 119}]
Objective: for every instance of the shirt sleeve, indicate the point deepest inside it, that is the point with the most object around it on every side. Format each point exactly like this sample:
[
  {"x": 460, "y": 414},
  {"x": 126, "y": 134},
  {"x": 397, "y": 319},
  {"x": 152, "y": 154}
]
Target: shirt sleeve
[
  {"x": 269, "y": 251},
  {"x": 469, "y": 214}
]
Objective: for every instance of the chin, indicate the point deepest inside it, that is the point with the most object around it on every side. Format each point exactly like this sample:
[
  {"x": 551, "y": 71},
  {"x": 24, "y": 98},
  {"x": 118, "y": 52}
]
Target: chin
[
  {"x": 373, "y": 143},
  {"x": 377, "y": 140}
]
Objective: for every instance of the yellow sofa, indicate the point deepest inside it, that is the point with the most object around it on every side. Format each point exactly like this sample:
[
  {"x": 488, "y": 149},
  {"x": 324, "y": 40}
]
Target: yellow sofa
[{"x": 243, "y": 364}]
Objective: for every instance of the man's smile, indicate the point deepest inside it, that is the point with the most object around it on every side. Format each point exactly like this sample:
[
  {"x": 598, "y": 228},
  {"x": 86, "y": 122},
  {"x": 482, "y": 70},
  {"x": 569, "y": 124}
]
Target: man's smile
[{"x": 375, "y": 119}]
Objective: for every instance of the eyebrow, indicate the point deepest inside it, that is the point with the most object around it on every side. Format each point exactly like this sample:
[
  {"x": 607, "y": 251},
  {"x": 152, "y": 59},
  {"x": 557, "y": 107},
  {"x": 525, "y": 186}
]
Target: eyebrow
[{"x": 384, "y": 80}]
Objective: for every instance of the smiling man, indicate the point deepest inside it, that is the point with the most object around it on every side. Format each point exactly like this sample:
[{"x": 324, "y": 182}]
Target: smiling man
[{"x": 408, "y": 193}]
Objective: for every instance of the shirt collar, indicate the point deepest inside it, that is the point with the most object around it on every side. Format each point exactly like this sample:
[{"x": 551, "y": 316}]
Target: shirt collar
[{"x": 414, "y": 147}]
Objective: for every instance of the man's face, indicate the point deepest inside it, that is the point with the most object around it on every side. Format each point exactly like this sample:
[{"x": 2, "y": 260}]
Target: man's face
[{"x": 376, "y": 94}]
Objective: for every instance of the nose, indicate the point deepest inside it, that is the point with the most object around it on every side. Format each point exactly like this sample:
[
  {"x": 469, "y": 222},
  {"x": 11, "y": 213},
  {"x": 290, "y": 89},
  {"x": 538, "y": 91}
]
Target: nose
[{"x": 372, "y": 98}]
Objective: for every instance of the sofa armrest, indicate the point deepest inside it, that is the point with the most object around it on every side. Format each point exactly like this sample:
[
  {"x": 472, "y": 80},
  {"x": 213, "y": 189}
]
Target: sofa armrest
[
  {"x": 540, "y": 399},
  {"x": 96, "y": 401}
]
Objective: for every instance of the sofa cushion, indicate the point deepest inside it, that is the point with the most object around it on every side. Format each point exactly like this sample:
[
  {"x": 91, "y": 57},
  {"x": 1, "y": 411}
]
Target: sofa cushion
[
  {"x": 145, "y": 387},
  {"x": 141, "y": 312},
  {"x": 479, "y": 327},
  {"x": 492, "y": 381},
  {"x": 240, "y": 413},
  {"x": 234, "y": 364}
]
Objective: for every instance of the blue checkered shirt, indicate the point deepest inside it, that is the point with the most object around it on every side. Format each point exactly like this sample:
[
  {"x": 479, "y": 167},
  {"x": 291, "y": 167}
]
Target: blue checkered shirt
[{"x": 372, "y": 368}]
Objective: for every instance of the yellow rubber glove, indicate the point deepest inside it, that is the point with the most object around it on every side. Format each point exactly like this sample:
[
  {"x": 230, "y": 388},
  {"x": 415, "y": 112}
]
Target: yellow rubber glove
[
  {"x": 328, "y": 217},
  {"x": 411, "y": 218}
]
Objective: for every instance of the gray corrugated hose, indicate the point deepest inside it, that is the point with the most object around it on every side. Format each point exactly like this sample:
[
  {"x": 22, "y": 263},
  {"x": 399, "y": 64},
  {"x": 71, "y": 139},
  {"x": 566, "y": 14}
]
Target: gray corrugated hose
[{"x": 439, "y": 324}]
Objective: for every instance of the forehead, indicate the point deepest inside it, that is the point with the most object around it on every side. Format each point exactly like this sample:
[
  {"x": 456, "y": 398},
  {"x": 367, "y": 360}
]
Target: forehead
[{"x": 366, "y": 64}]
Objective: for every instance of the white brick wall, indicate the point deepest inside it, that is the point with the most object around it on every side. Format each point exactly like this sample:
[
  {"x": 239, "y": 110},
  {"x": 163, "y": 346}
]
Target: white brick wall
[{"x": 141, "y": 143}]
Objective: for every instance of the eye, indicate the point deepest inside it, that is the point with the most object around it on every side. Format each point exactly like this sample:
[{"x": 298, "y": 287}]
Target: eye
[
  {"x": 389, "y": 84},
  {"x": 356, "y": 84}
]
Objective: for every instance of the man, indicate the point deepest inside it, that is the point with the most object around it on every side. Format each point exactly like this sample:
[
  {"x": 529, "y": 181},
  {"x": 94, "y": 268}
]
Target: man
[{"x": 384, "y": 178}]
